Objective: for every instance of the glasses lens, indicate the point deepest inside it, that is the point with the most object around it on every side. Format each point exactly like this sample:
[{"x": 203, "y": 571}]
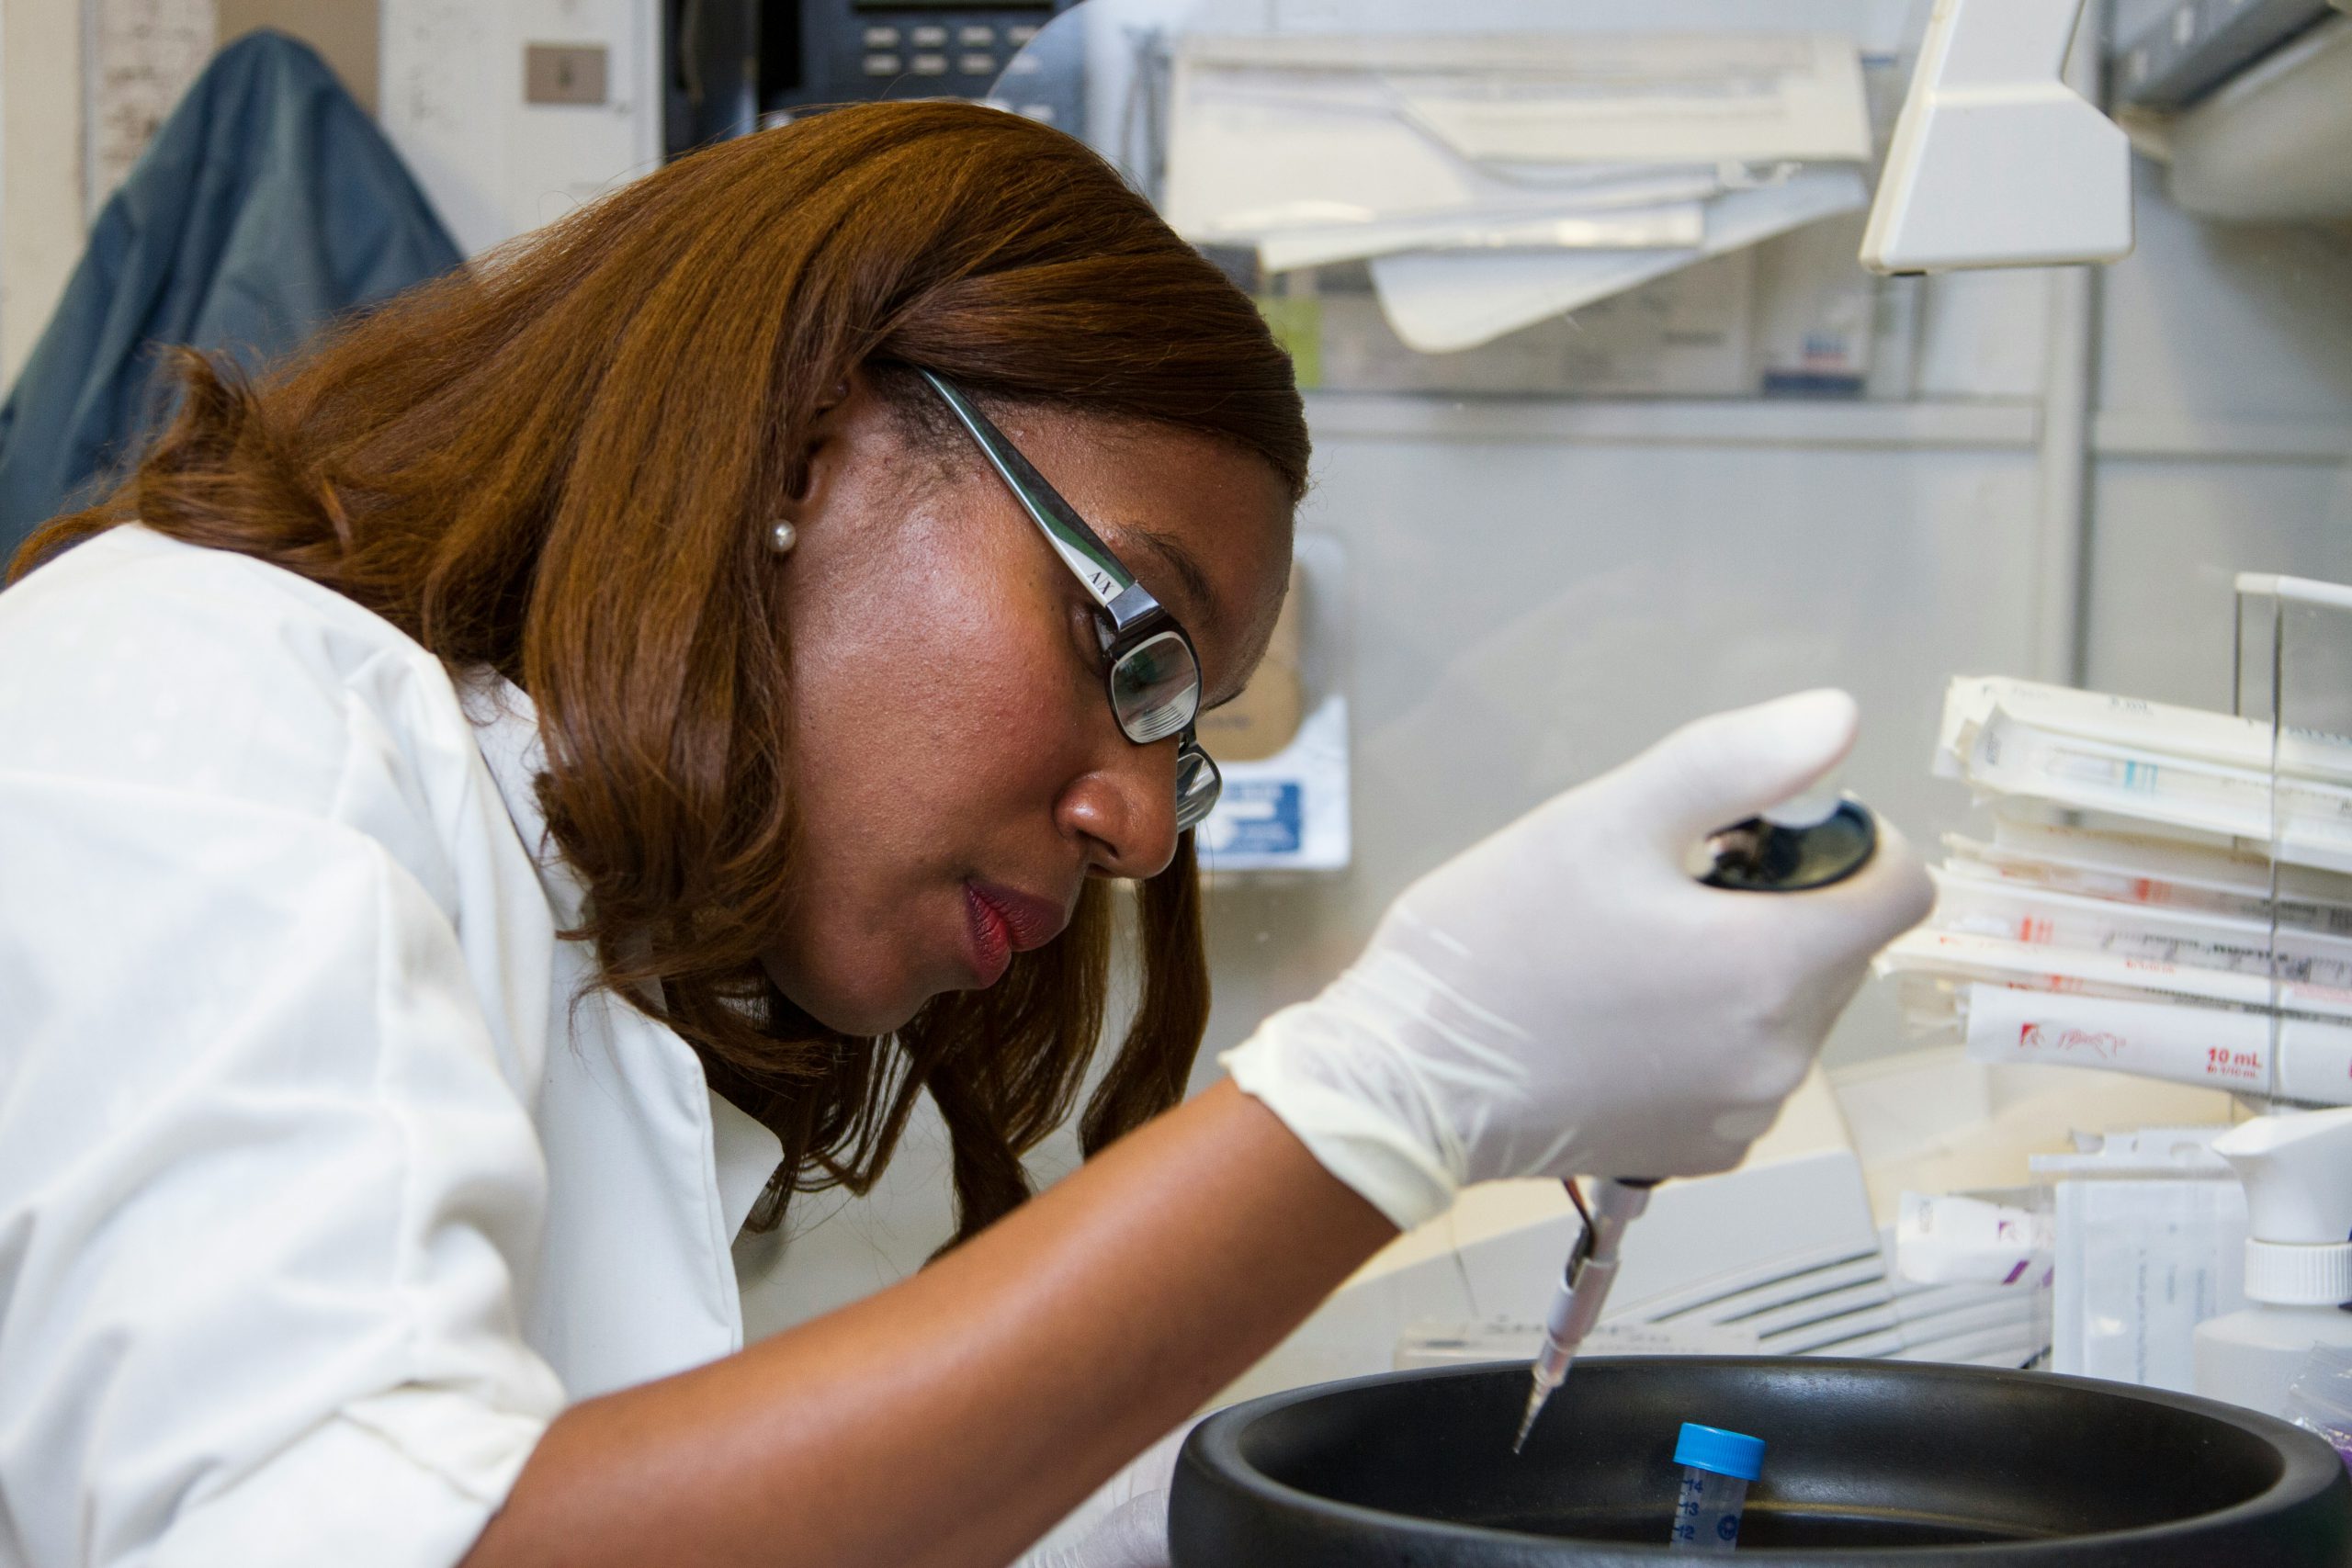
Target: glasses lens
[
  {"x": 1198, "y": 784},
  {"x": 1156, "y": 688}
]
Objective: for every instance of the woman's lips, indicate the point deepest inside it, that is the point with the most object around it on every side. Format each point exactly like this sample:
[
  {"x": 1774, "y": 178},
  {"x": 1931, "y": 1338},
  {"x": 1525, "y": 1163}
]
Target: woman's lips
[
  {"x": 1034, "y": 921},
  {"x": 1005, "y": 922},
  {"x": 992, "y": 936}
]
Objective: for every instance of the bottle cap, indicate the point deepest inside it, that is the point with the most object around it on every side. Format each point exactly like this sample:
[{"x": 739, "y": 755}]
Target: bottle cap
[
  {"x": 2297, "y": 1166},
  {"x": 2285, "y": 1274},
  {"x": 1725, "y": 1453}
]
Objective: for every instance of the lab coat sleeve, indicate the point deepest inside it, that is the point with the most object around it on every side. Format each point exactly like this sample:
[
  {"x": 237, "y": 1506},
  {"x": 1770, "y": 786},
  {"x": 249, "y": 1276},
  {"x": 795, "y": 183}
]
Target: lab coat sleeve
[{"x": 268, "y": 1175}]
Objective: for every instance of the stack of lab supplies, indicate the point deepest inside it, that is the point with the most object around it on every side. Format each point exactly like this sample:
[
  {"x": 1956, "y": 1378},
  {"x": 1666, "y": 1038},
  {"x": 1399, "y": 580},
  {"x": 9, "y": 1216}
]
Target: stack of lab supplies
[
  {"x": 2146, "y": 937},
  {"x": 1494, "y": 180}
]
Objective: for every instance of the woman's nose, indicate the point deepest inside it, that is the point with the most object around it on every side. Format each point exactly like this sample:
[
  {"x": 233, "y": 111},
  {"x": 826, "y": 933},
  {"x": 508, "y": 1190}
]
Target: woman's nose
[{"x": 1125, "y": 807}]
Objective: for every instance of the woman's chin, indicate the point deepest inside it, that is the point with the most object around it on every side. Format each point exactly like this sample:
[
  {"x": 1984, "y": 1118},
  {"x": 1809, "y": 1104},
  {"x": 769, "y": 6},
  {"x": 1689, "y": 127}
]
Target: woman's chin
[
  {"x": 851, "y": 1013},
  {"x": 853, "y": 1004}
]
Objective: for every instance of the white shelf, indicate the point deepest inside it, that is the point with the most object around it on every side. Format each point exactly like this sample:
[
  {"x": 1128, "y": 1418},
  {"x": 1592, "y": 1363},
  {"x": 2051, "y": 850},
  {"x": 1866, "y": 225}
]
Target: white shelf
[
  {"x": 2123, "y": 432},
  {"x": 1992, "y": 425},
  {"x": 2001, "y": 424}
]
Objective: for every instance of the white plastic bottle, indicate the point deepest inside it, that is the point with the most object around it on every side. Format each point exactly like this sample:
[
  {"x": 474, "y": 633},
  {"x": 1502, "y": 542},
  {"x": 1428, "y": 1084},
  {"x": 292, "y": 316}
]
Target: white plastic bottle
[{"x": 2297, "y": 1173}]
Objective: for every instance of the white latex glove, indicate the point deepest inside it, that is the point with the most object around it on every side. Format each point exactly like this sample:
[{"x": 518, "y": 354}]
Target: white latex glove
[
  {"x": 1564, "y": 998},
  {"x": 1125, "y": 1523}
]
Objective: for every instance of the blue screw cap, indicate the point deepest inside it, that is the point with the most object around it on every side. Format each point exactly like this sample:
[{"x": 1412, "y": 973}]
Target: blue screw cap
[{"x": 1725, "y": 1453}]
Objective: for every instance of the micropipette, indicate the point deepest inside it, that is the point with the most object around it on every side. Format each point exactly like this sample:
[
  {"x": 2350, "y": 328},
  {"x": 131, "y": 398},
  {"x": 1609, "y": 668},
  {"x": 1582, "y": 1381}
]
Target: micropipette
[
  {"x": 1818, "y": 839},
  {"x": 1584, "y": 1290}
]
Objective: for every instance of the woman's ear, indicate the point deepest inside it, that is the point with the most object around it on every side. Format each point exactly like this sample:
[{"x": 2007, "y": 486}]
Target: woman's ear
[{"x": 810, "y": 470}]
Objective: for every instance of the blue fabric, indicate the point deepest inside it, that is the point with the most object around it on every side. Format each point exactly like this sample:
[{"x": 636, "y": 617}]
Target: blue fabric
[{"x": 268, "y": 205}]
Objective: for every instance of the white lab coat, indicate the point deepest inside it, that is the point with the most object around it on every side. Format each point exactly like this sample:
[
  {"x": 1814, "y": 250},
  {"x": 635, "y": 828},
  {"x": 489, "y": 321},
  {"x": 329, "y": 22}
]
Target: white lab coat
[{"x": 319, "y": 1196}]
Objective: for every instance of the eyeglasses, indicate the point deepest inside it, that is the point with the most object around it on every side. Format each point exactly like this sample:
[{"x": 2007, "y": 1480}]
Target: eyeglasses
[{"x": 1153, "y": 677}]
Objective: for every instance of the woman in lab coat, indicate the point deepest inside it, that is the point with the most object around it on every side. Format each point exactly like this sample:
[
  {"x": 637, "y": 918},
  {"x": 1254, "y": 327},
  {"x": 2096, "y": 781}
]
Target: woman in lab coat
[{"x": 497, "y": 805}]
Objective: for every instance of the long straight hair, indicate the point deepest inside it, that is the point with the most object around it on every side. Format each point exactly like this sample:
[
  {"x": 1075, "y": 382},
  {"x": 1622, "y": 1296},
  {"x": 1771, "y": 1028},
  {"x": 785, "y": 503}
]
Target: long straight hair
[{"x": 559, "y": 467}]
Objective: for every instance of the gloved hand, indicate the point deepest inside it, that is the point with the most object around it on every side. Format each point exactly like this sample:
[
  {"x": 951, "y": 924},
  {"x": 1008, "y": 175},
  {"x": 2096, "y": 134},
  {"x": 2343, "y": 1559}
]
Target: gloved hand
[
  {"x": 1125, "y": 1523},
  {"x": 1564, "y": 998}
]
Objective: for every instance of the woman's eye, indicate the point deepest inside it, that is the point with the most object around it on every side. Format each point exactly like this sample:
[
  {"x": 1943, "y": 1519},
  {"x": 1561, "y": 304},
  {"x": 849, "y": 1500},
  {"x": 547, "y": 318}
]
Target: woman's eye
[{"x": 1090, "y": 636}]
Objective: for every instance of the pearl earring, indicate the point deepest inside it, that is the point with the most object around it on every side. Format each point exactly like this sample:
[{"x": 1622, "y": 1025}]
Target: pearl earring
[{"x": 782, "y": 537}]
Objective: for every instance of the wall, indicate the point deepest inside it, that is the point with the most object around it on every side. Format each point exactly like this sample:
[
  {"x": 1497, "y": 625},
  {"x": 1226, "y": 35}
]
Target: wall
[
  {"x": 2224, "y": 425},
  {"x": 138, "y": 57},
  {"x": 491, "y": 164},
  {"x": 40, "y": 166},
  {"x": 342, "y": 31}
]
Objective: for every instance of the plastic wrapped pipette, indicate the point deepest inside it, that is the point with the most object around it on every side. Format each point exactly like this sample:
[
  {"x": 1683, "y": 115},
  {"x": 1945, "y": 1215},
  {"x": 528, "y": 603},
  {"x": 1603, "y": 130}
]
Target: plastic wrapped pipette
[{"x": 1818, "y": 839}]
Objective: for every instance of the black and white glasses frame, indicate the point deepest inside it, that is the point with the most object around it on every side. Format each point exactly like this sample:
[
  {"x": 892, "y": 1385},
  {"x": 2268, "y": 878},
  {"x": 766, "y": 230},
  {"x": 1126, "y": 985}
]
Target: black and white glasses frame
[{"x": 1151, "y": 673}]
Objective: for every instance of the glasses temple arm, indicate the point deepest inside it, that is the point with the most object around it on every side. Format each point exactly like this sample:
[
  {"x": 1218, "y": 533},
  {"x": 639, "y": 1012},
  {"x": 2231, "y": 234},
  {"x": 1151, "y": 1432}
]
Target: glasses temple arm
[{"x": 1081, "y": 549}]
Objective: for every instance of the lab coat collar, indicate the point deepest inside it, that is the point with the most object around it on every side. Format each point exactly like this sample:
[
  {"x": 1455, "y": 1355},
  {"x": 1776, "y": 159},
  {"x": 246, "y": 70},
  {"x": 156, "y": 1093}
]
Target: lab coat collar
[
  {"x": 746, "y": 1154},
  {"x": 506, "y": 727}
]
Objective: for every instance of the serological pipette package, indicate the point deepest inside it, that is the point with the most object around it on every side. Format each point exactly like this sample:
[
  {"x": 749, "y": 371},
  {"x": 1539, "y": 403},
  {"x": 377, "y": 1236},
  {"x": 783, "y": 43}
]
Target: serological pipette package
[{"x": 2180, "y": 769}]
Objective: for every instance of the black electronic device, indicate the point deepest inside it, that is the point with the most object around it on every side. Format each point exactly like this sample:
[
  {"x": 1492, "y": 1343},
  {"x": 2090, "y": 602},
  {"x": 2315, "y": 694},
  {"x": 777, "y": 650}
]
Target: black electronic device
[{"x": 731, "y": 66}]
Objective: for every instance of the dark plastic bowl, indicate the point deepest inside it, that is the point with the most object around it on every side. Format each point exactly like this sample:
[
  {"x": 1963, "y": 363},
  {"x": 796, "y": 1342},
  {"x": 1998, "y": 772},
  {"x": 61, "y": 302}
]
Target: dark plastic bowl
[{"x": 1897, "y": 1462}]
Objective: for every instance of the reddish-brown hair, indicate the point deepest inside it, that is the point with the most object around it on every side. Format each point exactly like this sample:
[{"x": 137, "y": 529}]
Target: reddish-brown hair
[{"x": 559, "y": 466}]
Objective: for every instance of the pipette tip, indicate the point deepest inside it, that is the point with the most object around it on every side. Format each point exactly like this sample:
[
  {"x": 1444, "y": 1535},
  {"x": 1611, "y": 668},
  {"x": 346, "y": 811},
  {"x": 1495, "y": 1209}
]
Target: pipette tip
[{"x": 1527, "y": 1422}]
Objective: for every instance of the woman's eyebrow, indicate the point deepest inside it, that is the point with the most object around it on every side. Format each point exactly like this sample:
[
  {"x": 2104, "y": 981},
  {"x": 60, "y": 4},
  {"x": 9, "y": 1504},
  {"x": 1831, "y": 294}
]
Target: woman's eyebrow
[
  {"x": 1187, "y": 569},
  {"x": 1204, "y": 616}
]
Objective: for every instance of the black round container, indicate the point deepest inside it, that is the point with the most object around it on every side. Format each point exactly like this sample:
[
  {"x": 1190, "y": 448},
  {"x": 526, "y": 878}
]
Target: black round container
[{"x": 1896, "y": 1463}]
